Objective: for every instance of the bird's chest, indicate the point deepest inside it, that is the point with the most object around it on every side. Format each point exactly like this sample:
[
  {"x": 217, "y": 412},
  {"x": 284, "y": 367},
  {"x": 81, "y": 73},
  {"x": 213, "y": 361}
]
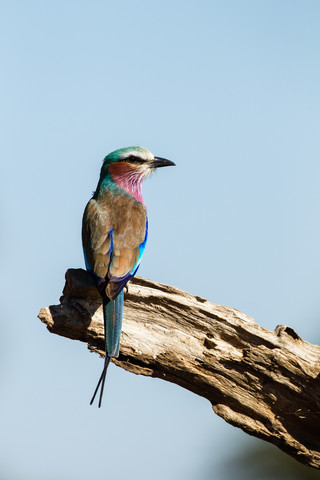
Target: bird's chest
[{"x": 128, "y": 220}]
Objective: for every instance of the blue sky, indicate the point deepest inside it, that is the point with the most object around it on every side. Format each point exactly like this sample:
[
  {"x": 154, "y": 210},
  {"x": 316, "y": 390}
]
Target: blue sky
[{"x": 230, "y": 92}]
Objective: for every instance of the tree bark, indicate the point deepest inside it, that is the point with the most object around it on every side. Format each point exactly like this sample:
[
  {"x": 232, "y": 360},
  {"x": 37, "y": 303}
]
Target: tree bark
[{"x": 267, "y": 383}]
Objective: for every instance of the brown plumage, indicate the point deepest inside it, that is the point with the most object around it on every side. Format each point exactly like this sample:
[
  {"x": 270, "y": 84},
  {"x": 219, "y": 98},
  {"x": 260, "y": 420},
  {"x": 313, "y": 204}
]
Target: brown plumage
[{"x": 126, "y": 219}]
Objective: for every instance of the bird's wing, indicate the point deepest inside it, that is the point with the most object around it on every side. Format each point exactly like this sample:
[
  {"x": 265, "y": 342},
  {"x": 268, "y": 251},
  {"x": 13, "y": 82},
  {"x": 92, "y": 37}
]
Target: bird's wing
[
  {"x": 125, "y": 261},
  {"x": 113, "y": 244},
  {"x": 97, "y": 240}
]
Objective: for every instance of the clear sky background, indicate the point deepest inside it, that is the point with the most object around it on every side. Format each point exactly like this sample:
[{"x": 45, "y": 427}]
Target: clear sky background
[{"x": 228, "y": 90}]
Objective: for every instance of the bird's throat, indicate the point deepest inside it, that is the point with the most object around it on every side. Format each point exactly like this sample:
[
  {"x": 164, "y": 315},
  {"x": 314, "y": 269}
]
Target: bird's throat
[{"x": 128, "y": 179}]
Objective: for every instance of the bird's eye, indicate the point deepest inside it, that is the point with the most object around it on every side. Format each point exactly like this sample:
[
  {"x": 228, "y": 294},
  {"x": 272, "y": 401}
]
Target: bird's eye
[{"x": 133, "y": 159}]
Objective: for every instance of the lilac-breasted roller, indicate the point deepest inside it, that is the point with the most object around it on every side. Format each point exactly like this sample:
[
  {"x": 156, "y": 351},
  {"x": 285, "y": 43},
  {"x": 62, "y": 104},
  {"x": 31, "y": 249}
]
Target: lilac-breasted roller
[{"x": 114, "y": 235}]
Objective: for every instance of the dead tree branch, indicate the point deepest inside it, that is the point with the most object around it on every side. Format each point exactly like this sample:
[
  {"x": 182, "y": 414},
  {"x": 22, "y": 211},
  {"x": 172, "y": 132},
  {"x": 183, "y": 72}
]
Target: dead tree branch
[{"x": 266, "y": 383}]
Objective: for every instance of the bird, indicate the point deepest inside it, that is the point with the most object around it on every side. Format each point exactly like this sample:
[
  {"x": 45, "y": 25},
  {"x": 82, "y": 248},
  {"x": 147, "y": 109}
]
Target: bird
[{"x": 114, "y": 236}]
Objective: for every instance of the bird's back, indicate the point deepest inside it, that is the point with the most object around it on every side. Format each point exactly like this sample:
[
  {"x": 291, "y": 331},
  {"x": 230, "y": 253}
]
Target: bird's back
[{"x": 114, "y": 231}]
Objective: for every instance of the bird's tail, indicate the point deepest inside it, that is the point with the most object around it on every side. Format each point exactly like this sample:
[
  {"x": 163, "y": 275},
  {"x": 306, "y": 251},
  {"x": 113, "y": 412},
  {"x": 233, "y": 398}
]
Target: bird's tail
[{"x": 112, "y": 316}]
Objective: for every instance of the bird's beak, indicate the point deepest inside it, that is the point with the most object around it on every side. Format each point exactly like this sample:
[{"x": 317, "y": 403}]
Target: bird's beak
[{"x": 161, "y": 162}]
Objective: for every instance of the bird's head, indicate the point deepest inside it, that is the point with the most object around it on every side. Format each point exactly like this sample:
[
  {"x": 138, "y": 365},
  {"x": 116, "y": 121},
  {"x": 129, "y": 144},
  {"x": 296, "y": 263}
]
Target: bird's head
[
  {"x": 137, "y": 160},
  {"x": 128, "y": 167}
]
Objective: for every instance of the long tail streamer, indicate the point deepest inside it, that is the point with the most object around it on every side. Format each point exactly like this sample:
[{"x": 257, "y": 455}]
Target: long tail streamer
[{"x": 112, "y": 315}]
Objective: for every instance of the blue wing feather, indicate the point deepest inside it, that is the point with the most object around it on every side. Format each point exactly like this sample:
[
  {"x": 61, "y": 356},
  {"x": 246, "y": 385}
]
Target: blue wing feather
[
  {"x": 86, "y": 261},
  {"x": 141, "y": 247}
]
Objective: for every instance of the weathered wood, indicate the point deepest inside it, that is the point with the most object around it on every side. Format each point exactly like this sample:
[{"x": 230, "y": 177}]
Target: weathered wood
[{"x": 266, "y": 383}]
